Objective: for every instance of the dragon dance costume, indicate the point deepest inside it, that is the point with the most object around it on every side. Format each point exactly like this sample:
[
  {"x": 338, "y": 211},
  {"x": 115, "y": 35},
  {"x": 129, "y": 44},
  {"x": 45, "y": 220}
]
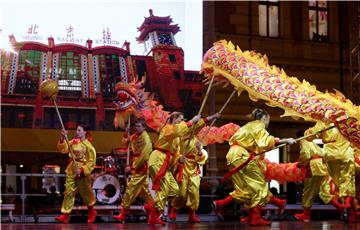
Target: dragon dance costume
[
  {"x": 161, "y": 160},
  {"x": 141, "y": 147},
  {"x": 339, "y": 157},
  {"x": 85, "y": 157},
  {"x": 188, "y": 175},
  {"x": 250, "y": 187},
  {"x": 318, "y": 180}
]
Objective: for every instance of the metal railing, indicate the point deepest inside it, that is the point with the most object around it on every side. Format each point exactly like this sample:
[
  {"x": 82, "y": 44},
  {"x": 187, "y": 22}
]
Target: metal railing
[{"x": 23, "y": 195}]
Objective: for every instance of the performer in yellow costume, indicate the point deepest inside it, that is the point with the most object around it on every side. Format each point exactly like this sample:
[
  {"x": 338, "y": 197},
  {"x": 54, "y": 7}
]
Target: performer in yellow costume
[
  {"x": 339, "y": 157},
  {"x": 78, "y": 173},
  {"x": 318, "y": 182},
  {"x": 187, "y": 172},
  {"x": 141, "y": 147},
  {"x": 161, "y": 160},
  {"x": 249, "y": 182},
  {"x": 357, "y": 184},
  {"x": 280, "y": 203}
]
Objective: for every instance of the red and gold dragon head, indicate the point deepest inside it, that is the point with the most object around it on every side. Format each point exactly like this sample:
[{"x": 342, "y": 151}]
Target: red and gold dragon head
[{"x": 131, "y": 99}]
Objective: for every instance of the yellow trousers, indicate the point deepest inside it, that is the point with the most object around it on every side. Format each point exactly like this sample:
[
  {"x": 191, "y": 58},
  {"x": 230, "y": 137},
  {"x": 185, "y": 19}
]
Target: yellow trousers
[
  {"x": 250, "y": 185},
  {"x": 72, "y": 185},
  {"x": 313, "y": 186},
  {"x": 138, "y": 185},
  {"x": 343, "y": 174},
  {"x": 189, "y": 193},
  {"x": 168, "y": 187}
]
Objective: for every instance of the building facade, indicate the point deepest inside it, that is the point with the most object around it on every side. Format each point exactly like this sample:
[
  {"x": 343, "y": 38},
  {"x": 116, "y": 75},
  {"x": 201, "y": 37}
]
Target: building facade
[
  {"x": 313, "y": 40},
  {"x": 86, "y": 77}
]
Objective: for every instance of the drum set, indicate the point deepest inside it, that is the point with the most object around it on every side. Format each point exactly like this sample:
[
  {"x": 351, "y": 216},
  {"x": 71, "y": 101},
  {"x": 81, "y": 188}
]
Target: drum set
[{"x": 109, "y": 182}]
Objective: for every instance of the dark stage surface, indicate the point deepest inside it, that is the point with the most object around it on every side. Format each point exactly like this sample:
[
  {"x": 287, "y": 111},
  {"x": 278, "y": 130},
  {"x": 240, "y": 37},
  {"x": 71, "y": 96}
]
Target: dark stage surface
[{"x": 293, "y": 225}]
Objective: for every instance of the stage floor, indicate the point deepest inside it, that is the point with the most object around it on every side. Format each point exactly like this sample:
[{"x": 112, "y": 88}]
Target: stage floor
[{"x": 293, "y": 225}]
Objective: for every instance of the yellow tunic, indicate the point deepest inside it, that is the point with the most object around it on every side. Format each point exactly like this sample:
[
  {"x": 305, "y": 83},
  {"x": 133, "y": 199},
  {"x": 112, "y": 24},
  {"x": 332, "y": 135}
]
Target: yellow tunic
[
  {"x": 339, "y": 157},
  {"x": 190, "y": 183},
  {"x": 357, "y": 174},
  {"x": 311, "y": 155},
  {"x": 249, "y": 183},
  {"x": 141, "y": 147},
  {"x": 85, "y": 156},
  {"x": 168, "y": 142}
]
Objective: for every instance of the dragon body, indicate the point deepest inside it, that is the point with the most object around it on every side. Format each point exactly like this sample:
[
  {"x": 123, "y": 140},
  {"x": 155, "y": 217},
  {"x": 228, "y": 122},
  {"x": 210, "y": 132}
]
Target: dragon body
[{"x": 251, "y": 72}]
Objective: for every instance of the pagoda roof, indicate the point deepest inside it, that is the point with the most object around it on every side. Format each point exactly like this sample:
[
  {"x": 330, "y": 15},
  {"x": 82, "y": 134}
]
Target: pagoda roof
[{"x": 153, "y": 22}]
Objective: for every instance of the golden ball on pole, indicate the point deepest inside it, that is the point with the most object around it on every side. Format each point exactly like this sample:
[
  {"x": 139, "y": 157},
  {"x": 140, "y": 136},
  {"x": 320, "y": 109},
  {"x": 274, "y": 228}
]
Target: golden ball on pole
[{"x": 49, "y": 88}]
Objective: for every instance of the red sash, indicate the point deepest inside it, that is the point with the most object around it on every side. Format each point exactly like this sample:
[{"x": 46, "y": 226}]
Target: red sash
[
  {"x": 164, "y": 168},
  {"x": 238, "y": 168}
]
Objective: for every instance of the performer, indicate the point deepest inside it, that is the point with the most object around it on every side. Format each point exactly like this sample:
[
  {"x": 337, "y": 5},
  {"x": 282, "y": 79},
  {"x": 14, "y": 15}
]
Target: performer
[
  {"x": 167, "y": 146},
  {"x": 357, "y": 182},
  {"x": 187, "y": 172},
  {"x": 249, "y": 182},
  {"x": 339, "y": 157},
  {"x": 318, "y": 182},
  {"x": 78, "y": 173},
  {"x": 141, "y": 147}
]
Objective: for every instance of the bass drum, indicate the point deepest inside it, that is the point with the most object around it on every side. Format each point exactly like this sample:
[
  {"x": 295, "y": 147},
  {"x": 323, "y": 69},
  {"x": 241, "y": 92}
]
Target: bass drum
[{"x": 106, "y": 189}]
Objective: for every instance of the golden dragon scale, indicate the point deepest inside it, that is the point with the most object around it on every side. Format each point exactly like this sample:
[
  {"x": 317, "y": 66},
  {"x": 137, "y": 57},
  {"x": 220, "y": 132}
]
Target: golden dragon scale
[{"x": 251, "y": 72}]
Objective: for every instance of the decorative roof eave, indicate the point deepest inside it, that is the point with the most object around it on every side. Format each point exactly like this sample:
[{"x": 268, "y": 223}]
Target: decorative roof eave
[
  {"x": 155, "y": 19},
  {"x": 109, "y": 50},
  {"x": 70, "y": 47},
  {"x": 144, "y": 32},
  {"x": 32, "y": 46},
  {"x": 27, "y": 45}
]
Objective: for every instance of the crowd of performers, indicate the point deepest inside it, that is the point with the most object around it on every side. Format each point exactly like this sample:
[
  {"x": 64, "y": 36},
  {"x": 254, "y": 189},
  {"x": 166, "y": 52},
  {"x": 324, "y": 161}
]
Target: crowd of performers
[{"x": 173, "y": 163}]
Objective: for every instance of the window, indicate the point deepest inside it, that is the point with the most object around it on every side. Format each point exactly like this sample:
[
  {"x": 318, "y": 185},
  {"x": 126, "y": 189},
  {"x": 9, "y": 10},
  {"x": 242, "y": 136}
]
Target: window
[
  {"x": 109, "y": 67},
  {"x": 69, "y": 79},
  {"x": 172, "y": 58},
  {"x": 28, "y": 72},
  {"x": 318, "y": 21},
  {"x": 141, "y": 70},
  {"x": 16, "y": 117},
  {"x": 269, "y": 18},
  {"x": 185, "y": 95},
  {"x": 71, "y": 118},
  {"x": 177, "y": 75}
]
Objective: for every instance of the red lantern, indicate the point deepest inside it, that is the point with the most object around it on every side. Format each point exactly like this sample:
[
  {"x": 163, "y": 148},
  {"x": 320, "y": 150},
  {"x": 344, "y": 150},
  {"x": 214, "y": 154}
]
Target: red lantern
[{"x": 21, "y": 115}]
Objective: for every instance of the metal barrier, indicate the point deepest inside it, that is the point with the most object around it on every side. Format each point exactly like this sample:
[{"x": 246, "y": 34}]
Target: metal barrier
[{"x": 23, "y": 195}]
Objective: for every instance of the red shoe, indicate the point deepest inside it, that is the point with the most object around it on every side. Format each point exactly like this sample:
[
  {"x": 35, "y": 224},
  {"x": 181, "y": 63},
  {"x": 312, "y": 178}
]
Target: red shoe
[
  {"x": 154, "y": 217},
  {"x": 91, "y": 215},
  {"x": 245, "y": 219},
  {"x": 122, "y": 216},
  {"x": 219, "y": 206},
  {"x": 147, "y": 208},
  {"x": 337, "y": 205},
  {"x": 172, "y": 215},
  {"x": 256, "y": 218},
  {"x": 63, "y": 218},
  {"x": 280, "y": 203},
  {"x": 348, "y": 202},
  {"x": 352, "y": 216},
  {"x": 192, "y": 217},
  {"x": 305, "y": 216}
]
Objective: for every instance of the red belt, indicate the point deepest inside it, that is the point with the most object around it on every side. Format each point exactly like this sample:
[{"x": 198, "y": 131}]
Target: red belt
[
  {"x": 238, "y": 168},
  {"x": 164, "y": 168},
  {"x": 357, "y": 160},
  {"x": 180, "y": 170}
]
